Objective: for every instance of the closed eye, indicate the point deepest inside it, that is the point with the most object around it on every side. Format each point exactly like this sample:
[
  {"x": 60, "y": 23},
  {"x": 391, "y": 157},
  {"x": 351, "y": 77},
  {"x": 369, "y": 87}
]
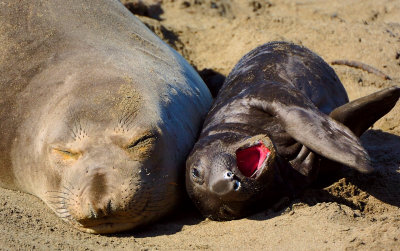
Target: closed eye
[
  {"x": 140, "y": 149},
  {"x": 66, "y": 153},
  {"x": 146, "y": 139}
]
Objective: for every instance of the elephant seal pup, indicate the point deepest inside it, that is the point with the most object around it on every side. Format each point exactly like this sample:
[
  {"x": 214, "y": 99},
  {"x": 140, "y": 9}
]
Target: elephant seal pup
[
  {"x": 268, "y": 131},
  {"x": 97, "y": 114}
]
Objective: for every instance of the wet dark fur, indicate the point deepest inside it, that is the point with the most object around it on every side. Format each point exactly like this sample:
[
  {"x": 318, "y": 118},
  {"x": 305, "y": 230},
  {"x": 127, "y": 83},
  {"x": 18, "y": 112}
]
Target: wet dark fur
[{"x": 280, "y": 90}]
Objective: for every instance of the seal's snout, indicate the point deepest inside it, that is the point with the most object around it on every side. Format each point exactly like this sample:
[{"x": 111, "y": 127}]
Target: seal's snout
[
  {"x": 97, "y": 211},
  {"x": 225, "y": 184},
  {"x": 223, "y": 180},
  {"x": 97, "y": 198}
]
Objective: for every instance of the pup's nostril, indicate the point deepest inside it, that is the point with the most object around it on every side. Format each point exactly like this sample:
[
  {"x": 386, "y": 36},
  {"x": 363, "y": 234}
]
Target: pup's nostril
[
  {"x": 236, "y": 185},
  {"x": 228, "y": 175},
  {"x": 225, "y": 185}
]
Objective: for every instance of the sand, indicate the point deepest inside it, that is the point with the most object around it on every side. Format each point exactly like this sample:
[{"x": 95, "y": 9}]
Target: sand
[{"x": 355, "y": 212}]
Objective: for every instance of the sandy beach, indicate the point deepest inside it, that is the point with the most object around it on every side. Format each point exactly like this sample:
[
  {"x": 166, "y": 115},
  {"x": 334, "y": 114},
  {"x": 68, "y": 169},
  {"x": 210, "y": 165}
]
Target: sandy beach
[{"x": 352, "y": 212}]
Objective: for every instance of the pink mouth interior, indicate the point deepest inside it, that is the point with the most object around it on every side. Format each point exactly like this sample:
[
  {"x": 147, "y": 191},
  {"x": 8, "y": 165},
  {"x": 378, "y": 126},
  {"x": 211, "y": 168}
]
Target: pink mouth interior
[{"x": 249, "y": 160}]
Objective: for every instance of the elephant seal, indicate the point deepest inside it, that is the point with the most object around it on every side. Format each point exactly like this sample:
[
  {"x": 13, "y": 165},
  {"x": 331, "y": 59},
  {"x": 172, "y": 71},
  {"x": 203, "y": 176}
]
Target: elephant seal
[
  {"x": 97, "y": 114},
  {"x": 268, "y": 133}
]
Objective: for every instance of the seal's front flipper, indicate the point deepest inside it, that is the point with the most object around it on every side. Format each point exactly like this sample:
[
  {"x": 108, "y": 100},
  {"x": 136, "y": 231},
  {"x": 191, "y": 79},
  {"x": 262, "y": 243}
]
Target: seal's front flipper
[
  {"x": 326, "y": 137},
  {"x": 362, "y": 113}
]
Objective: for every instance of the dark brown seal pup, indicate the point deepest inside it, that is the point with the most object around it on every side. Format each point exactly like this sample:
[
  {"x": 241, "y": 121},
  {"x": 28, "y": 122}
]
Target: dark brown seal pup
[
  {"x": 97, "y": 114},
  {"x": 269, "y": 130}
]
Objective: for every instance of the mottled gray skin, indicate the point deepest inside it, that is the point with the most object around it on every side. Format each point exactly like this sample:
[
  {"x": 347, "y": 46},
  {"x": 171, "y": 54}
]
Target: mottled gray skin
[
  {"x": 279, "y": 94},
  {"x": 97, "y": 114}
]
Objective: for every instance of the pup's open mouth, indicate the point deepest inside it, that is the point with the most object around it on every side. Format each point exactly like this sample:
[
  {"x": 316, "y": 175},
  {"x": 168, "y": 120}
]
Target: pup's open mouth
[{"x": 252, "y": 159}]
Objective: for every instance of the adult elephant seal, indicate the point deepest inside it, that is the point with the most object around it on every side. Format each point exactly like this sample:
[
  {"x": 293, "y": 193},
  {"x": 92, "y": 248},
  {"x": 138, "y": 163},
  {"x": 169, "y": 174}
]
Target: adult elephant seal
[
  {"x": 268, "y": 132},
  {"x": 97, "y": 114}
]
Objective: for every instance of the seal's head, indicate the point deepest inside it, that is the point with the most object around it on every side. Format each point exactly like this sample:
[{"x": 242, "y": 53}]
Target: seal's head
[
  {"x": 226, "y": 180},
  {"x": 97, "y": 114},
  {"x": 110, "y": 170},
  {"x": 105, "y": 158}
]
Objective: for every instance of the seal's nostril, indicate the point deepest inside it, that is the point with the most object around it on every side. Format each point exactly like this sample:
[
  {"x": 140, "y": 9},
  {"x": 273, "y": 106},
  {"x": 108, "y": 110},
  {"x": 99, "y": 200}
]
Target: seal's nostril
[
  {"x": 97, "y": 211},
  {"x": 93, "y": 213},
  {"x": 228, "y": 175},
  {"x": 236, "y": 185},
  {"x": 109, "y": 207}
]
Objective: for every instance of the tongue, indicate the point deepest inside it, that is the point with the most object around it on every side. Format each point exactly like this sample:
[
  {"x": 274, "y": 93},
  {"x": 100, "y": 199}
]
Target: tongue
[{"x": 249, "y": 160}]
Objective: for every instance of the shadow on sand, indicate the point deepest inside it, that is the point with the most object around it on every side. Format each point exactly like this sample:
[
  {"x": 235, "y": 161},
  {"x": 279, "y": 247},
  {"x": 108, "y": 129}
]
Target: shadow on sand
[
  {"x": 384, "y": 148},
  {"x": 148, "y": 10},
  {"x": 185, "y": 214}
]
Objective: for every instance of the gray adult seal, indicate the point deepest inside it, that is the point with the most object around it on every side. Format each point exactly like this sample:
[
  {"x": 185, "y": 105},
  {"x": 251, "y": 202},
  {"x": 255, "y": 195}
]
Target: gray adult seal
[
  {"x": 268, "y": 133},
  {"x": 97, "y": 114}
]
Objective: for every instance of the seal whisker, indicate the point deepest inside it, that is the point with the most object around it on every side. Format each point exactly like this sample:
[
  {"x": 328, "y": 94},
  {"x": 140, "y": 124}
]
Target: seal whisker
[
  {"x": 122, "y": 116},
  {"x": 58, "y": 192},
  {"x": 66, "y": 188},
  {"x": 61, "y": 202},
  {"x": 60, "y": 214},
  {"x": 124, "y": 113},
  {"x": 129, "y": 125},
  {"x": 53, "y": 202},
  {"x": 71, "y": 129},
  {"x": 62, "y": 210},
  {"x": 128, "y": 120},
  {"x": 56, "y": 197},
  {"x": 73, "y": 133},
  {"x": 63, "y": 215},
  {"x": 66, "y": 217},
  {"x": 128, "y": 116}
]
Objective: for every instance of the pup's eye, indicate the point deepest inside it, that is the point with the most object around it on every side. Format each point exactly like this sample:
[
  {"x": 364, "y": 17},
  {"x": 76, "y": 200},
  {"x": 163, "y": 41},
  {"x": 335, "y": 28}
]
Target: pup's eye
[
  {"x": 66, "y": 153},
  {"x": 196, "y": 174}
]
